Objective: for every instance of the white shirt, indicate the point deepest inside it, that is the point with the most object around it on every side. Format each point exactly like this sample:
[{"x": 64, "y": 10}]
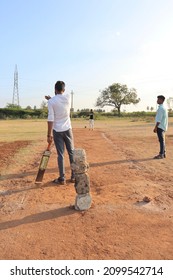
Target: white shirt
[
  {"x": 162, "y": 117},
  {"x": 59, "y": 112}
]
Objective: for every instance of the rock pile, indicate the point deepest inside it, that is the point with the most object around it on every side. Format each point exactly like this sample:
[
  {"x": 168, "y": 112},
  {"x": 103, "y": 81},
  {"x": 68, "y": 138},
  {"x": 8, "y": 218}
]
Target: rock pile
[{"x": 82, "y": 181}]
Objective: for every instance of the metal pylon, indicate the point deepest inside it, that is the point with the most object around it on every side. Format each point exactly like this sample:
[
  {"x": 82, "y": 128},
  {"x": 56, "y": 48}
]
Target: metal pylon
[{"x": 15, "y": 89}]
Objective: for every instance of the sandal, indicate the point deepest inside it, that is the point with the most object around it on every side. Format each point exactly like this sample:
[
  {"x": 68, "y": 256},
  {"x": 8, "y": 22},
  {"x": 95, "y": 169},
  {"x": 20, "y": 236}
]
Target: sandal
[
  {"x": 72, "y": 180},
  {"x": 159, "y": 157},
  {"x": 59, "y": 181}
]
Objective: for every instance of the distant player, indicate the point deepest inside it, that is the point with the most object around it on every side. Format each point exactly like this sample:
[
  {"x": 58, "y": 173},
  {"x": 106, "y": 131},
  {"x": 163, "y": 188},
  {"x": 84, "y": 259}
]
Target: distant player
[{"x": 91, "y": 120}]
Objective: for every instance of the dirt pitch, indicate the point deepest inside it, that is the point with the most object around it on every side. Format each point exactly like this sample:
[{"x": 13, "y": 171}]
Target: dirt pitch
[{"x": 39, "y": 222}]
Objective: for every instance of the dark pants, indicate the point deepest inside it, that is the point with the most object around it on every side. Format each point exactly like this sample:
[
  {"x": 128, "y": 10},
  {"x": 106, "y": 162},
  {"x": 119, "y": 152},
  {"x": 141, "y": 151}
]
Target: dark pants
[
  {"x": 61, "y": 140},
  {"x": 161, "y": 137}
]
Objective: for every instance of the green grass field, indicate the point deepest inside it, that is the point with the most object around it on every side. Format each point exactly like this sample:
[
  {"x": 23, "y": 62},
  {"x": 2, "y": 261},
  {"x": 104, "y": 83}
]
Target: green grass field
[{"x": 13, "y": 130}]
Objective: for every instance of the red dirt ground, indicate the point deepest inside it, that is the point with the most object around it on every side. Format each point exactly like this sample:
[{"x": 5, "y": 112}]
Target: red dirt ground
[{"x": 39, "y": 222}]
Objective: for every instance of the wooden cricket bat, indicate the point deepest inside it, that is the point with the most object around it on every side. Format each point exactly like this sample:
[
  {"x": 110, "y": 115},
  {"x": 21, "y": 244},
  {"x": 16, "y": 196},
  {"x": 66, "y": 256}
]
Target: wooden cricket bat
[{"x": 43, "y": 165}]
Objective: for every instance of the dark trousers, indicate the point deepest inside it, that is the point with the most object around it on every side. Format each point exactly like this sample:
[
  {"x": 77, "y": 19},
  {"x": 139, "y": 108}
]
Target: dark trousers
[
  {"x": 161, "y": 137},
  {"x": 62, "y": 139}
]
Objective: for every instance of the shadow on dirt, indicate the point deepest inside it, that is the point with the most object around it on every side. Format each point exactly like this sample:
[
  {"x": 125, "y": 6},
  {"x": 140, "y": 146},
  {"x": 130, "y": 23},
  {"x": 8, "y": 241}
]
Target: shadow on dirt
[
  {"x": 54, "y": 170},
  {"x": 119, "y": 162},
  {"x": 9, "y": 192},
  {"x": 33, "y": 187},
  {"x": 35, "y": 218},
  {"x": 25, "y": 174}
]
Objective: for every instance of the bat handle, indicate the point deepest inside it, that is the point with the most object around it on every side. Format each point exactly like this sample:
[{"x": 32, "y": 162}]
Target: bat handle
[{"x": 48, "y": 147}]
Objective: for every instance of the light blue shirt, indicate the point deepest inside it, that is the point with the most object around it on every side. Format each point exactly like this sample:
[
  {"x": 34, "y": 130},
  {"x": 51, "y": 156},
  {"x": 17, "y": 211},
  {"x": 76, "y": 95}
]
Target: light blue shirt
[{"x": 162, "y": 117}]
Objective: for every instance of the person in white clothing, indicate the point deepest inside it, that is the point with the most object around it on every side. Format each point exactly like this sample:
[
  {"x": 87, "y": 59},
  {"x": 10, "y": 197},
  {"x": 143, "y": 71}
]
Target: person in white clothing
[
  {"x": 91, "y": 120},
  {"x": 59, "y": 128}
]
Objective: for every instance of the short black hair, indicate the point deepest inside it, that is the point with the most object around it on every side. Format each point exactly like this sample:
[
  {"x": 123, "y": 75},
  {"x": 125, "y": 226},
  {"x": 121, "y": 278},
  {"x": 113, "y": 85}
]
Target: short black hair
[
  {"x": 60, "y": 85},
  {"x": 161, "y": 97}
]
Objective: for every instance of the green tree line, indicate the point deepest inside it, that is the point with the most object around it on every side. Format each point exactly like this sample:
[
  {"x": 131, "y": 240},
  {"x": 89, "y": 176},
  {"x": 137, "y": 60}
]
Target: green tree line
[{"x": 15, "y": 113}]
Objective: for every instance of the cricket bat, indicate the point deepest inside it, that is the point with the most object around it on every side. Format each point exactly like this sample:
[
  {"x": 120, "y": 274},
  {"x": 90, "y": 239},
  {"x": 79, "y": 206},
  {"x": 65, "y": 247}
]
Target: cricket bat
[{"x": 43, "y": 165}]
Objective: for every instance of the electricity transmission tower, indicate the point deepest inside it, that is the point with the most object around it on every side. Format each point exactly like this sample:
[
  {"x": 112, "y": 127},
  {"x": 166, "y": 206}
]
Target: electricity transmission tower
[{"x": 15, "y": 89}]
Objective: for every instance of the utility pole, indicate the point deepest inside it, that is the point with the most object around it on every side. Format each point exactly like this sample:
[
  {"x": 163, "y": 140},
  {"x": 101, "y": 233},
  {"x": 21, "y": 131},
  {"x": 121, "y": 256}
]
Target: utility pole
[
  {"x": 170, "y": 103},
  {"x": 72, "y": 109},
  {"x": 15, "y": 88}
]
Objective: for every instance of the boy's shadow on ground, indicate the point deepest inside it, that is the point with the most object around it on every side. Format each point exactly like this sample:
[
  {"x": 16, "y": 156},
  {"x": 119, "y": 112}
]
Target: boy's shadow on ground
[{"x": 54, "y": 170}]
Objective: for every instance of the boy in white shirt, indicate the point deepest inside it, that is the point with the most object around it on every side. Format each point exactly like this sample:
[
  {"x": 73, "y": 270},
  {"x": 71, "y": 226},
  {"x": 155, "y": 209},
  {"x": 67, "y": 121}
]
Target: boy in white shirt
[{"x": 59, "y": 128}]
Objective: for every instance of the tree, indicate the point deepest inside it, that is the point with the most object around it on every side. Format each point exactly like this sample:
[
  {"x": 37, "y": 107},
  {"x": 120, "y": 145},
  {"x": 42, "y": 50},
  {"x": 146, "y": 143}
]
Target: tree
[
  {"x": 44, "y": 109},
  {"x": 117, "y": 95},
  {"x": 13, "y": 106},
  {"x": 28, "y": 107},
  {"x": 43, "y": 105}
]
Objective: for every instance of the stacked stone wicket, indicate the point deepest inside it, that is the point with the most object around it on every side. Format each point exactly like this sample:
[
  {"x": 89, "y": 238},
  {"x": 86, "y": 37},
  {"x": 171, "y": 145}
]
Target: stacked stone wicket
[{"x": 82, "y": 181}]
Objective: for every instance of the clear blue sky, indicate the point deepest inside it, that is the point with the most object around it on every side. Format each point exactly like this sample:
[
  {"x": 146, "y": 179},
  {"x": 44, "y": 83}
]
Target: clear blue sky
[{"x": 89, "y": 44}]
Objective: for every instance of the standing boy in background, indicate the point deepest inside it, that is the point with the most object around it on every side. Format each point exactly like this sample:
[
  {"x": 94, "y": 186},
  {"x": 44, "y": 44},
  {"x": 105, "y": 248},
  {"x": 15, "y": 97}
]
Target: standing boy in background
[
  {"x": 91, "y": 120},
  {"x": 161, "y": 126}
]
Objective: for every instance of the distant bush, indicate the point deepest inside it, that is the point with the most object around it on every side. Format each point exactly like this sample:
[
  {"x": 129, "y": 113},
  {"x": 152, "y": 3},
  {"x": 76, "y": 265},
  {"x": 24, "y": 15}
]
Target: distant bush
[{"x": 13, "y": 113}]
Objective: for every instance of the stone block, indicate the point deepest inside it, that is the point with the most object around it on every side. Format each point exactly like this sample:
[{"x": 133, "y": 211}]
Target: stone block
[
  {"x": 79, "y": 156},
  {"x": 82, "y": 183},
  {"x": 80, "y": 168},
  {"x": 83, "y": 202}
]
